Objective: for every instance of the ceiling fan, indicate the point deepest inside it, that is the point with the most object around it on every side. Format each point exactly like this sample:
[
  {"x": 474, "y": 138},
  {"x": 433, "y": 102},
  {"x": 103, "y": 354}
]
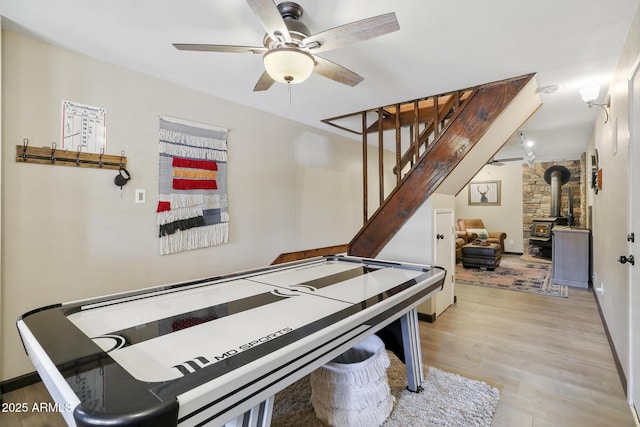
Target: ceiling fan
[
  {"x": 501, "y": 162},
  {"x": 290, "y": 51}
]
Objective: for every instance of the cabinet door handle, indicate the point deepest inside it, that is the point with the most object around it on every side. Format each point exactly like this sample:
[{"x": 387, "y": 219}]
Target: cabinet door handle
[{"x": 440, "y": 236}]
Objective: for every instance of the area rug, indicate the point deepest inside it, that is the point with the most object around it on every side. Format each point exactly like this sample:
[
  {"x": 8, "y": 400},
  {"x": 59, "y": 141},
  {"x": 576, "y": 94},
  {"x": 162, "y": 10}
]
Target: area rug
[
  {"x": 514, "y": 274},
  {"x": 448, "y": 400},
  {"x": 533, "y": 258}
]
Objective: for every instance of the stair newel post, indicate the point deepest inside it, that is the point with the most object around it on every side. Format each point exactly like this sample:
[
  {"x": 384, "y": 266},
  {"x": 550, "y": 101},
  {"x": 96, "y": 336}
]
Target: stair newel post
[
  {"x": 398, "y": 146},
  {"x": 416, "y": 127},
  {"x": 365, "y": 174},
  {"x": 381, "y": 154},
  {"x": 412, "y": 149},
  {"x": 436, "y": 118}
]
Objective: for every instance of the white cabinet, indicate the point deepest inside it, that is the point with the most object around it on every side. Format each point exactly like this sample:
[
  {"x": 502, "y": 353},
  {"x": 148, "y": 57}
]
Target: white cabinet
[{"x": 571, "y": 256}]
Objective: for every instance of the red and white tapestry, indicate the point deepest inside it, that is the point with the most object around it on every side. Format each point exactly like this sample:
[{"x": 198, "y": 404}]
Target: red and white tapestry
[{"x": 193, "y": 208}]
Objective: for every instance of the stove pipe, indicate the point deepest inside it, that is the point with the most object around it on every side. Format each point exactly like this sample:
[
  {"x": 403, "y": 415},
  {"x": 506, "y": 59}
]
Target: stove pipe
[{"x": 556, "y": 176}]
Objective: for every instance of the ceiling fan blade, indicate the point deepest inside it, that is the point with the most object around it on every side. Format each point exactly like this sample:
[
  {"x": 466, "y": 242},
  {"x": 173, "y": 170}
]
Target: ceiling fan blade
[
  {"x": 354, "y": 32},
  {"x": 220, "y": 48},
  {"x": 270, "y": 18},
  {"x": 336, "y": 72},
  {"x": 264, "y": 82},
  {"x": 501, "y": 162}
]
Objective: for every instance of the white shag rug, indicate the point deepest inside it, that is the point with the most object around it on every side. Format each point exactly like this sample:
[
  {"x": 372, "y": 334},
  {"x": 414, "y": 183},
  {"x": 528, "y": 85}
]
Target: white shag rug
[{"x": 448, "y": 400}]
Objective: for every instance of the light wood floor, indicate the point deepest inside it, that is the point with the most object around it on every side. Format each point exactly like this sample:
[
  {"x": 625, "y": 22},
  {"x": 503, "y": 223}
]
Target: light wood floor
[{"x": 548, "y": 356}]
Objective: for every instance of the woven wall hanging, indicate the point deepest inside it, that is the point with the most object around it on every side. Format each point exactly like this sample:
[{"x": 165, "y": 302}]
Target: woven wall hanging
[{"x": 193, "y": 208}]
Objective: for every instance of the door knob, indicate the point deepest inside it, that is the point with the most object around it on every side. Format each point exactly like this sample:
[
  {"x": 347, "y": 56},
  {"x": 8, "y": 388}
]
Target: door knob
[
  {"x": 440, "y": 236},
  {"x": 627, "y": 259}
]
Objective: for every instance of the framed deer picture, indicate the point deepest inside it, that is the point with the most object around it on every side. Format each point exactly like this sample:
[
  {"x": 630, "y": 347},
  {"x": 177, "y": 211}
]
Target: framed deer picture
[{"x": 484, "y": 193}]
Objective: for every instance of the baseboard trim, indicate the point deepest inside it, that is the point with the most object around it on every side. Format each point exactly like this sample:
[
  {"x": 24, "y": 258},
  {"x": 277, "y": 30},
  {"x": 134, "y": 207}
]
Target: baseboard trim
[
  {"x": 616, "y": 359},
  {"x": 430, "y": 318},
  {"x": 19, "y": 382}
]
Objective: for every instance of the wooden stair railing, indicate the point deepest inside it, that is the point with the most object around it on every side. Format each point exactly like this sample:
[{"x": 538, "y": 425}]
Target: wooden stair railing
[
  {"x": 463, "y": 130},
  {"x": 444, "y": 113},
  {"x": 432, "y": 112}
]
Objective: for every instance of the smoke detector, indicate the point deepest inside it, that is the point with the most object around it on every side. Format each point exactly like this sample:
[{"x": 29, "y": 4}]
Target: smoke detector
[{"x": 548, "y": 90}]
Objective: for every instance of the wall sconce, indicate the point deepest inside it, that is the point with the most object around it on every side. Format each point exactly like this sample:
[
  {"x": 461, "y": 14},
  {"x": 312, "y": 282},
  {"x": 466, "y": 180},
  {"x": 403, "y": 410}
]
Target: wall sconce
[{"x": 589, "y": 95}]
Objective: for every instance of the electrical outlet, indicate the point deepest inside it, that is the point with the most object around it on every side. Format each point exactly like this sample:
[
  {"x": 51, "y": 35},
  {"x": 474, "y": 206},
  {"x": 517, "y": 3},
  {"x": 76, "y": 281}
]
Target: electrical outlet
[{"x": 511, "y": 241}]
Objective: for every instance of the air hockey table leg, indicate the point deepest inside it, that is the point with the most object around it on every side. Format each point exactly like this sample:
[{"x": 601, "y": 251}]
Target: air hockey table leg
[
  {"x": 258, "y": 416},
  {"x": 412, "y": 351}
]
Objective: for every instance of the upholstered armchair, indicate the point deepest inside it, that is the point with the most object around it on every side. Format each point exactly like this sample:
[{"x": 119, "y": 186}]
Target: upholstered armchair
[{"x": 469, "y": 229}]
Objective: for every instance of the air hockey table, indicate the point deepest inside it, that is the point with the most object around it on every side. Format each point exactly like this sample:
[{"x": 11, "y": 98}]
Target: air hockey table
[{"x": 215, "y": 351}]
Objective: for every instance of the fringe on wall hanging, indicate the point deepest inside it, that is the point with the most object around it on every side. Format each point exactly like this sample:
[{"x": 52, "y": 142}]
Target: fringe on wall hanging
[{"x": 193, "y": 207}]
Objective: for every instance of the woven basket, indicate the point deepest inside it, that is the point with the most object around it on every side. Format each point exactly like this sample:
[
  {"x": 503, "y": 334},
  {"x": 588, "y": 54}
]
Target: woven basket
[{"x": 353, "y": 390}]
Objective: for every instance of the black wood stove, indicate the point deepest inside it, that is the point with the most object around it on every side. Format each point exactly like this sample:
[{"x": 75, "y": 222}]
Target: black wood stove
[{"x": 541, "y": 230}]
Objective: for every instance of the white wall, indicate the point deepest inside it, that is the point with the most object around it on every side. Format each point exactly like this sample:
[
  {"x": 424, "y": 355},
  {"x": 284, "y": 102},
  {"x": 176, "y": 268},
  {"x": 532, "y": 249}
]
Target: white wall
[
  {"x": 1, "y": 269},
  {"x": 67, "y": 233},
  {"x": 508, "y": 216},
  {"x": 412, "y": 243},
  {"x": 610, "y": 205}
]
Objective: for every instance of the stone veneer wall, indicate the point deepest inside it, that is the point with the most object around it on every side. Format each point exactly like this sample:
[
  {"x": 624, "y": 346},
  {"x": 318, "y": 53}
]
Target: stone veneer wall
[{"x": 536, "y": 194}]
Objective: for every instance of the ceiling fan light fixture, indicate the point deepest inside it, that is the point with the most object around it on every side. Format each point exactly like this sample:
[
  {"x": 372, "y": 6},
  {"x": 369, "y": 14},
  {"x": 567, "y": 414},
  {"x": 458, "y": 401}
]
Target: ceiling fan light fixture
[{"x": 288, "y": 65}]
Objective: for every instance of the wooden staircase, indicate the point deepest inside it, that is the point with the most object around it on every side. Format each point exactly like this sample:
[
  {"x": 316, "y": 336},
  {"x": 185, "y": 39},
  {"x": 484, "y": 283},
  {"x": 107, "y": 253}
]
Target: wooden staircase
[{"x": 443, "y": 129}]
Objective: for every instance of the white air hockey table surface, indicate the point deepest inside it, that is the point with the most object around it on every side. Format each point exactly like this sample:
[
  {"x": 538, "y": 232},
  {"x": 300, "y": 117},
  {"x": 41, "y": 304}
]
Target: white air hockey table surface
[{"x": 215, "y": 351}]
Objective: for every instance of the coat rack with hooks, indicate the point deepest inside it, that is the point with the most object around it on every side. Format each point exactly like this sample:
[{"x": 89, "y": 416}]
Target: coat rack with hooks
[{"x": 53, "y": 156}]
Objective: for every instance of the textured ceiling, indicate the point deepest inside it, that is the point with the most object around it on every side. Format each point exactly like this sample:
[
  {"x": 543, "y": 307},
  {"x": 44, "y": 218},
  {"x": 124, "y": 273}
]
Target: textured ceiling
[{"x": 441, "y": 46}]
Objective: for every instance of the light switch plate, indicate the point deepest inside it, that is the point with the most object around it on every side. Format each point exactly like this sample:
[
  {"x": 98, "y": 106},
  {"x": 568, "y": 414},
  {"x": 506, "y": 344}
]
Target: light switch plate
[{"x": 140, "y": 195}]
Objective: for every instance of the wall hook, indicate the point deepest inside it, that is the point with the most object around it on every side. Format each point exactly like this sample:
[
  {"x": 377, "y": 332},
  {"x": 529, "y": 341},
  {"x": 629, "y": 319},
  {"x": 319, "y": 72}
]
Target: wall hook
[
  {"x": 53, "y": 151},
  {"x": 78, "y": 155},
  {"x": 25, "y": 143}
]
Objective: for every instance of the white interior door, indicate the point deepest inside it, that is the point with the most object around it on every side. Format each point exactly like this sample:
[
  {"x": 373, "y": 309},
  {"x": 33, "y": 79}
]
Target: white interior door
[
  {"x": 633, "y": 383},
  {"x": 444, "y": 256}
]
